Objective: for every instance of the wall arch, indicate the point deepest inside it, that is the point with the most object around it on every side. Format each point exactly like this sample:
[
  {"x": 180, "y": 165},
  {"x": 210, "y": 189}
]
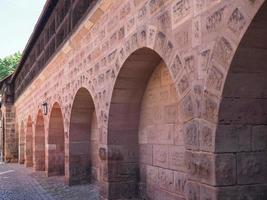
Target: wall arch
[
  {"x": 56, "y": 142},
  {"x": 39, "y": 143},
  {"x": 22, "y": 143},
  {"x": 29, "y": 143},
  {"x": 241, "y": 134},
  {"x": 143, "y": 119},
  {"x": 83, "y": 139},
  {"x": 17, "y": 135}
]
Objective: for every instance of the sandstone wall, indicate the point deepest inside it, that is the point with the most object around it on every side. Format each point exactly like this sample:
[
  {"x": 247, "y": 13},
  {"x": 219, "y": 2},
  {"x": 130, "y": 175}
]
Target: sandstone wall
[{"x": 156, "y": 71}]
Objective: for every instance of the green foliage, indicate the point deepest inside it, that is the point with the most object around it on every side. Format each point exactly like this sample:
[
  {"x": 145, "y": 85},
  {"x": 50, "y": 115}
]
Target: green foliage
[{"x": 9, "y": 64}]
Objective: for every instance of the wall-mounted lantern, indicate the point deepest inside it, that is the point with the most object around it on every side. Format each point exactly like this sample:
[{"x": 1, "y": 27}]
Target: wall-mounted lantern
[{"x": 45, "y": 109}]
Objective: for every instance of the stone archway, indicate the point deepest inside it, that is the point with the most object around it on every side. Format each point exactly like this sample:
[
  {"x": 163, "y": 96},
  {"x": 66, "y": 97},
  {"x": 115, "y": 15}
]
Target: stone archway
[
  {"x": 241, "y": 134},
  {"x": 29, "y": 143},
  {"x": 39, "y": 143},
  {"x": 145, "y": 153},
  {"x": 56, "y": 143},
  {"x": 22, "y": 144},
  {"x": 83, "y": 158}
]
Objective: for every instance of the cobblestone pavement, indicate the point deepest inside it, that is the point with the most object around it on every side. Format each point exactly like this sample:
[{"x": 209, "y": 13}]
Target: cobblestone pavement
[{"x": 20, "y": 183}]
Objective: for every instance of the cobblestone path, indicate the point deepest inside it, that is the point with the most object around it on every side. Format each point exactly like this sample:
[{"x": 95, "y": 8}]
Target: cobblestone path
[{"x": 20, "y": 183}]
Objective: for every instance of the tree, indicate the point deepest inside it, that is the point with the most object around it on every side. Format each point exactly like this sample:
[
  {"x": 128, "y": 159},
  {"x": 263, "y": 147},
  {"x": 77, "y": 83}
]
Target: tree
[{"x": 9, "y": 64}]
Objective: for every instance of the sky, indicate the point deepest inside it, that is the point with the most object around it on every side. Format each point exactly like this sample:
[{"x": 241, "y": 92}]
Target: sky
[{"x": 17, "y": 21}]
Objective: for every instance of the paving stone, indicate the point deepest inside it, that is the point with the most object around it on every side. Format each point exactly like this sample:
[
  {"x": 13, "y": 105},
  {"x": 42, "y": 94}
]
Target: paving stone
[{"x": 20, "y": 183}]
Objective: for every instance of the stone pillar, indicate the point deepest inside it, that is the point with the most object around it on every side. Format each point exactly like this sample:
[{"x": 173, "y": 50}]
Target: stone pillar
[{"x": 10, "y": 137}]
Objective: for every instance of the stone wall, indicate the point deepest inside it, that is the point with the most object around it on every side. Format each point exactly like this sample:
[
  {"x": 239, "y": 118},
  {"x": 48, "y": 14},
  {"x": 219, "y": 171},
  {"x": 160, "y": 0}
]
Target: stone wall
[{"x": 158, "y": 73}]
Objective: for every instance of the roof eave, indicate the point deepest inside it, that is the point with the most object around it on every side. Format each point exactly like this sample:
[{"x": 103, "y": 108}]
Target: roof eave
[{"x": 45, "y": 14}]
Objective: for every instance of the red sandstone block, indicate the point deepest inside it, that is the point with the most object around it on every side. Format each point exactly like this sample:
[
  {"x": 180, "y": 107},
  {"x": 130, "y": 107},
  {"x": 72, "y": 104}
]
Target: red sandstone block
[
  {"x": 259, "y": 138},
  {"x": 251, "y": 168},
  {"x": 161, "y": 156}
]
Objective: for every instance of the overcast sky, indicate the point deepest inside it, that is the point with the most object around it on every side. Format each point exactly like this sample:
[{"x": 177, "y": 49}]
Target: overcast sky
[{"x": 17, "y": 20}]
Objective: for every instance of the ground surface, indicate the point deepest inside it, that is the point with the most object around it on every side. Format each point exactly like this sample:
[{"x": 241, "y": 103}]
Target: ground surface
[{"x": 20, "y": 183}]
